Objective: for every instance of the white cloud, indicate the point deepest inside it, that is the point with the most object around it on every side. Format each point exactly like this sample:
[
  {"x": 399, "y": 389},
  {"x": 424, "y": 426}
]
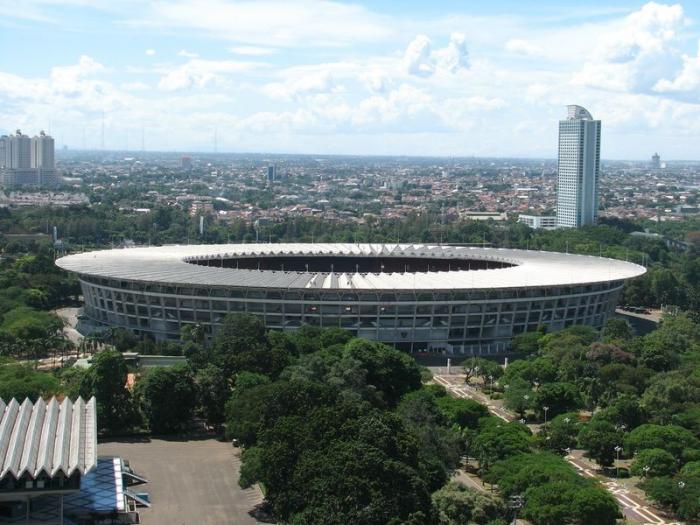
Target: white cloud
[
  {"x": 150, "y": 52},
  {"x": 318, "y": 82},
  {"x": 687, "y": 79},
  {"x": 69, "y": 79},
  {"x": 376, "y": 80},
  {"x": 252, "y": 50},
  {"x": 416, "y": 58},
  {"x": 187, "y": 54},
  {"x": 421, "y": 60},
  {"x": 519, "y": 46},
  {"x": 201, "y": 73},
  {"x": 275, "y": 23},
  {"x": 636, "y": 52},
  {"x": 134, "y": 86}
]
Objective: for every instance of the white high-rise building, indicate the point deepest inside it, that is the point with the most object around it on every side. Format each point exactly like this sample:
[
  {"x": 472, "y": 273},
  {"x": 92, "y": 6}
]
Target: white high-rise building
[
  {"x": 20, "y": 156},
  {"x": 27, "y": 161},
  {"x": 4, "y": 149},
  {"x": 579, "y": 169},
  {"x": 43, "y": 151}
]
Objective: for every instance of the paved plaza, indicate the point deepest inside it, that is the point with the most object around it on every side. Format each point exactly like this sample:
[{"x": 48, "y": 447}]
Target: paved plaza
[{"x": 190, "y": 482}]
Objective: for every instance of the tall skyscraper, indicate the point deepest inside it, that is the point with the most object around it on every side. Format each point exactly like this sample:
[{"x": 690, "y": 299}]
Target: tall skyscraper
[
  {"x": 656, "y": 161},
  {"x": 579, "y": 169},
  {"x": 271, "y": 172}
]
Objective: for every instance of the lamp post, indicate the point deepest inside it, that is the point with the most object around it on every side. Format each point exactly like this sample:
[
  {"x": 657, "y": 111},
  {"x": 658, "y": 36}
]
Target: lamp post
[
  {"x": 545, "y": 408},
  {"x": 515, "y": 504},
  {"x": 526, "y": 398},
  {"x": 618, "y": 449}
]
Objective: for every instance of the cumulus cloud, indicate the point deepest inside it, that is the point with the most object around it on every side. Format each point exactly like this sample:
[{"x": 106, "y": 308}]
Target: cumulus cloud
[
  {"x": 633, "y": 54},
  {"x": 688, "y": 79},
  {"x": 201, "y": 73},
  {"x": 422, "y": 60},
  {"x": 316, "y": 82},
  {"x": 150, "y": 52},
  {"x": 69, "y": 79}
]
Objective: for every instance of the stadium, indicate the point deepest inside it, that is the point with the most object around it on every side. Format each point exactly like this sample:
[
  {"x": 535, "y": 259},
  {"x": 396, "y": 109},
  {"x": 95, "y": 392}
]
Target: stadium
[{"x": 454, "y": 299}]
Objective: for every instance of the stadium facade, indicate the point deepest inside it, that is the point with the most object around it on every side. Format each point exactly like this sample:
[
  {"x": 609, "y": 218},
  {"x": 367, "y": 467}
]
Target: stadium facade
[{"x": 463, "y": 300}]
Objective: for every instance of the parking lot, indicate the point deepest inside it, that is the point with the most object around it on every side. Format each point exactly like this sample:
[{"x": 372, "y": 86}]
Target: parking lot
[{"x": 190, "y": 482}]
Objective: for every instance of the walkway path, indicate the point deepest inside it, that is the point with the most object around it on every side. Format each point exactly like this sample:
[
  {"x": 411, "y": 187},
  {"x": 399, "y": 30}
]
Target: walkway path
[{"x": 633, "y": 506}]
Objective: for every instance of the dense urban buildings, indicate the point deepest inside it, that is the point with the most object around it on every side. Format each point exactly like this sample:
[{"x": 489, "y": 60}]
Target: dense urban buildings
[
  {"x": 463, "y": 300},
  {"x": 579, "y": 169},
  {"x": 27, "y": 161}
]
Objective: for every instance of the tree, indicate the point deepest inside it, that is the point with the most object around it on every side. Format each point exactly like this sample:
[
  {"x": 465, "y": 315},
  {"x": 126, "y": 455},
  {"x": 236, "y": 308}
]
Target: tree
[
  {"x": 562, "y": 432},
  {"x": 169, "y": 398},
  {"x": 518, "y": 473},
  {"x": 240, "y": 344},
  {"x": 465, "y": 413},
  {"x": 593, "y": 504},
  {"x": 498, "y": 440},
  {"x": 556, "y": 503},
  {"x": 106, "y": 380},
  {"x": 481, "y": 367},
  {"x": 212, "y": 393},
  {"x": 558, "y": 397},
  {"x": 438, "y": 451},
  {"x": 549, "y": 504},
  {"x": 527, "y": 343},
  {"x": 599, "y": 438},
  {"x": 616, "y": 329},
  {"x": 458, "y": 504},
  {"x": 656, "y": 461},
  {"x": 390, "y": 371},
  {"x": 669, "y": 394},
  {"x": 27, "y": 324},
  {"x": 671, "y": 438},
  {"x": 335, "y": 336},
  {"x": 518, "y": 396},
  {"x": 22, "y": 381}
]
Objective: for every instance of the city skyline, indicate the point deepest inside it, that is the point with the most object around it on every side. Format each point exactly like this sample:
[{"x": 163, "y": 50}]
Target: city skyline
[{"x": 317, "y": 77}]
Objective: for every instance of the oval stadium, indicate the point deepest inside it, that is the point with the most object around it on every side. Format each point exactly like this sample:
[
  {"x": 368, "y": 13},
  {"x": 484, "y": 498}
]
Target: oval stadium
[{"x": 461, "y": 300}]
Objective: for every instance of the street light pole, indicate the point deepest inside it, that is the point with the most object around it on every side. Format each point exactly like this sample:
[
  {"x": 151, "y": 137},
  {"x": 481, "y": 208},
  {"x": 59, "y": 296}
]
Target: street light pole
[
  {"x": 516, "y": 503},
  {"x": 618, "y": 449}
]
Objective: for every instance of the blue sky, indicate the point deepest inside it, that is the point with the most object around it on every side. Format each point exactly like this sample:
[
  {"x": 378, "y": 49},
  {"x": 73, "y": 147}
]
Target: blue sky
[{"x": 453, "y": 78}]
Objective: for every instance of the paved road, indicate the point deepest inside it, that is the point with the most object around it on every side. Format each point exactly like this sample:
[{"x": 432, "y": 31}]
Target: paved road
[
  {"x": 633, "y": 507},
  {"x": 190, "y": 482},
  {"x": 69, "y": 316}
]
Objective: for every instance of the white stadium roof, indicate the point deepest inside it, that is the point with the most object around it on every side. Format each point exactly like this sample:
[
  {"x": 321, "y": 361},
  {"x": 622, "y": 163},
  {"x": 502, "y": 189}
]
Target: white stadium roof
[
  {"x": 47, "y": 437},
  {"x": 168, "y": 265}
]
